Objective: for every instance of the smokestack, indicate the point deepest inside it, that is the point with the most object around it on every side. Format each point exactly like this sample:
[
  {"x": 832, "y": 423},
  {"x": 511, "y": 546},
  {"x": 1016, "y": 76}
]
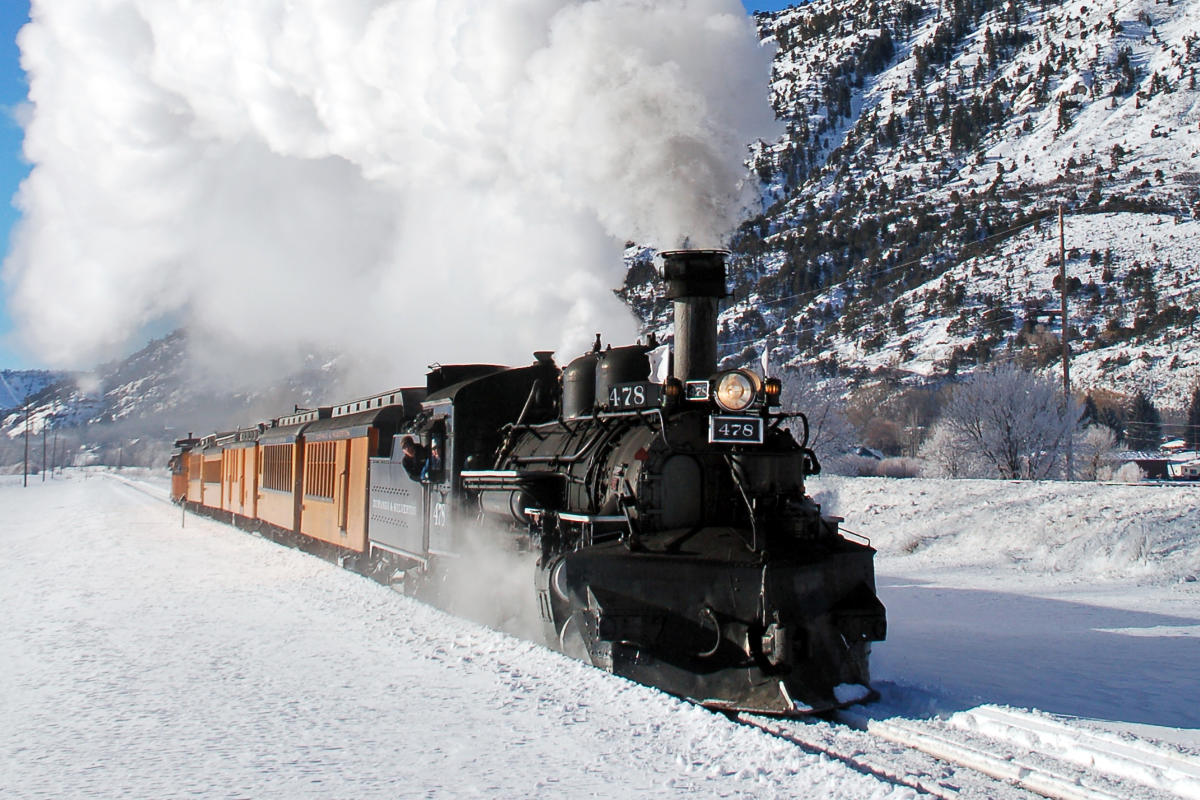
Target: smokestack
[{"x": 695, "y": 281}]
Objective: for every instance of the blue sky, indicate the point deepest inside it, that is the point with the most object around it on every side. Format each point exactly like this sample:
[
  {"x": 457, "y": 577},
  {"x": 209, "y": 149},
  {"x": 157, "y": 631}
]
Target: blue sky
[
  {"x": 13, "y": 90},
  {"x": 13, "y": 14}
]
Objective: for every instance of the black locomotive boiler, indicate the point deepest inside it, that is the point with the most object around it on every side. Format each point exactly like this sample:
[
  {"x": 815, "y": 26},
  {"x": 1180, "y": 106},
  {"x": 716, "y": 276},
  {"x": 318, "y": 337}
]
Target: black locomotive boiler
[{"x": 674, "y": 540}]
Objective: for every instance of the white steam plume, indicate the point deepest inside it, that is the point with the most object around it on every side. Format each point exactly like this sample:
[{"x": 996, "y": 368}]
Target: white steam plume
[
  {"x": 404, "y": 180},
  {"x": 492, "y": 583}
]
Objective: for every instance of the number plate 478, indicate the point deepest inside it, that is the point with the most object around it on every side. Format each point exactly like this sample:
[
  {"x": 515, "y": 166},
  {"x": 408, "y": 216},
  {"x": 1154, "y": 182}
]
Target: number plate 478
[
  {"x": 735, "y": 430},
  {"x": 623, "y": 396}
]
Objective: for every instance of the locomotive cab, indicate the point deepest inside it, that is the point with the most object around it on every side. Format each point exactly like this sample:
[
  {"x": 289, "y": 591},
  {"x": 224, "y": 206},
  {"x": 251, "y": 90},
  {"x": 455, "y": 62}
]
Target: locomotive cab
[{"x": 421, "y": 515}]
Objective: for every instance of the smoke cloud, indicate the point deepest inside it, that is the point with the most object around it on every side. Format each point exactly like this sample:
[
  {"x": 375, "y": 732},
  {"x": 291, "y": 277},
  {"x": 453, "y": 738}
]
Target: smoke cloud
[{"x": 401, "y": 180}]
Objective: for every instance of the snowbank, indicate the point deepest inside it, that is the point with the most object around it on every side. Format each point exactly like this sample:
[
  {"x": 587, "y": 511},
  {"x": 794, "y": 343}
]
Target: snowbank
[{"x": 1075, "y": 532}]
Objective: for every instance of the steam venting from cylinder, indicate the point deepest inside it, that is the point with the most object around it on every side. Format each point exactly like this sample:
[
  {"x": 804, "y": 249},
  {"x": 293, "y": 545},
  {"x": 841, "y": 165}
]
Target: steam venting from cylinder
[{"x": 695, "y": 282}]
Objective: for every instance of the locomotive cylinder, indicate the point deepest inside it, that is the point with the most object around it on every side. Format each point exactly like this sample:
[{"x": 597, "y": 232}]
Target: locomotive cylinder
[
  {"x": 506, "y": 505},
  {"x": 695, "y": 282}
]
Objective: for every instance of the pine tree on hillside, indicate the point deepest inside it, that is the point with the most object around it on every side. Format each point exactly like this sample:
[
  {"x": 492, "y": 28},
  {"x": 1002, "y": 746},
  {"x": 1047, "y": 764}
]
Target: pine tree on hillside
[
  {"x": 1143, "y": 429},
  {"x": 1110, "y": 415},
  {"x": 1192, "y": 436}
]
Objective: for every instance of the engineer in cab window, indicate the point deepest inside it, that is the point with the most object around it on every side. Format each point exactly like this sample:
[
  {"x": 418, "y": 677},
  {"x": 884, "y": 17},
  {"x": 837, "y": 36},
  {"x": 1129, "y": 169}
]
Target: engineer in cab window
[
  {"x": 433, "y": 465},
  {"x": 415, "y": 457}
]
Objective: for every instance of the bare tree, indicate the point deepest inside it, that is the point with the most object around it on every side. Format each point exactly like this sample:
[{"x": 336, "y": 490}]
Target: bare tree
[
  {"x": 1093, "y": 451},
  {"x": 1016, "y": 421},
  {"x": 946, "y": 454},
  {"x": 823, "y": 401}
]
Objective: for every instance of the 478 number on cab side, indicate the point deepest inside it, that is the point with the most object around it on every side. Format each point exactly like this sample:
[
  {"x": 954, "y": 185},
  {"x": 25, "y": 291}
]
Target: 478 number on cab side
[{"x": 634, "y": 395}]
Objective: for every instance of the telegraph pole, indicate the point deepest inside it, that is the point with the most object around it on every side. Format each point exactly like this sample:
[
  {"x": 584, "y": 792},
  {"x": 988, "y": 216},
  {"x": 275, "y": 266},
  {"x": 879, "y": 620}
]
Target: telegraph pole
[
  {"x": 25, "y": 473},
  {"x": 1066, "y": 348}
]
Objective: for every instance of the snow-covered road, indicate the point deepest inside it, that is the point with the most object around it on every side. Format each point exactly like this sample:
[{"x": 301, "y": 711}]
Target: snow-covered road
[{"x": 142, "y": 659}]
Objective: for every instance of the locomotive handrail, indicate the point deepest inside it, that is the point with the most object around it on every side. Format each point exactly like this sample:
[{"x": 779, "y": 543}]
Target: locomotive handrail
[
  {"x": 485, "y": 479},
  {"x": 780, "y": 417},
  {"x": 567, "y": 516},
  {"x": 662, "y": 428},
  {"x": 642, "y": 413},
  {"x": 707, "y": 615},
  {"x": 574, "y": 517},
  {"x": 594, "y": 440},
  {"x": 600, "y": 419},
  {"x": 558, "y": 459}
]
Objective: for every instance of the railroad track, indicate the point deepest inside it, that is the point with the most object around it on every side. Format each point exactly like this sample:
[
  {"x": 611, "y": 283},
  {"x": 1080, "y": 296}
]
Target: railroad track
[
  {"x": 159, "y": 493},
  {"x": 994, "y": 752}
]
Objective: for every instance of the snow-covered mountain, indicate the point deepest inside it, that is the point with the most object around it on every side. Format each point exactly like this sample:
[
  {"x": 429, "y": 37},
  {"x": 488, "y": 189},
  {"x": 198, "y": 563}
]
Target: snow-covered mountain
[
  {"x": 18, "y": 385},
  {"x": 129, "y": 411},
  {"x": 909, "y": 222}
]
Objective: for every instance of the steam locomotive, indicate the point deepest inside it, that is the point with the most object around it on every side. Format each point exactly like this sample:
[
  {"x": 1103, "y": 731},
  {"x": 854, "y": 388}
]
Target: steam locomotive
[{"x": 675, "y": 544}]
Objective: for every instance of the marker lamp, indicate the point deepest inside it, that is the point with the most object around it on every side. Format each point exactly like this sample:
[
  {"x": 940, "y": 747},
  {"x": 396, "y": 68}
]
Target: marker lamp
[{"x": 737, "y": 390}]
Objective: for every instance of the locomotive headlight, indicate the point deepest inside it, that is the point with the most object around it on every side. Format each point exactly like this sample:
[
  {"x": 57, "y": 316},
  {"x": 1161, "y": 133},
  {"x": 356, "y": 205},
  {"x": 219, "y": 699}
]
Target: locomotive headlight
[{"x": 736, "y": 390}]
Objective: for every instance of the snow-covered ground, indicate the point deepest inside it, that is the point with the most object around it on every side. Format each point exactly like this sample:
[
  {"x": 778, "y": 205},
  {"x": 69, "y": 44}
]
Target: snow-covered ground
[
  {"x": 145, "y": 658},
  {"x": 1075, "y": 598}
]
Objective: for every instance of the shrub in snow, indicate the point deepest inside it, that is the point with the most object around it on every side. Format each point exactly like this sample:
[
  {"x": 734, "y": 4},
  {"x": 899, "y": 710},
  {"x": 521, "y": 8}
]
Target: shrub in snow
[
  {"x": 1093, "y": 453},
  {"x": 945, "y": 454},
  {"x": 899, "y": 468},
  {"x": 1129, "y": 473},
  {"x": 856, "y": 465}
]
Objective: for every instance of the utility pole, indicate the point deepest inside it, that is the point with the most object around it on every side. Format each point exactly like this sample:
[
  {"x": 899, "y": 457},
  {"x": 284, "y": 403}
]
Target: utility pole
[
  {"x": 25, "y": 473},
  {"x": 1066, "y": 348},
  {"x": 43, "y": 451}
]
